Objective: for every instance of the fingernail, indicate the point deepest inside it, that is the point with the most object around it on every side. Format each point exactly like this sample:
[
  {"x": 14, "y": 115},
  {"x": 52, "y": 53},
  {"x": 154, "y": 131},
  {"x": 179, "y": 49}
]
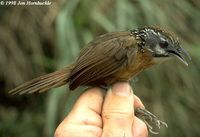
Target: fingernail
[{"x": 121, "y": 89}]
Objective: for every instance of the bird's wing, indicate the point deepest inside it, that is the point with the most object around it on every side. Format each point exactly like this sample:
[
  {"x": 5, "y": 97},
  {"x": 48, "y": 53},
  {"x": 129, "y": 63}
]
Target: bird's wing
[{"x": 103, "y": 57}]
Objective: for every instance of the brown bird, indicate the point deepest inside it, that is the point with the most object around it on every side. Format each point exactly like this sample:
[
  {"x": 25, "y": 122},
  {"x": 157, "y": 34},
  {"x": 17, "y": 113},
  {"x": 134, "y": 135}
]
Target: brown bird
[{"x": 113, "y": 57}]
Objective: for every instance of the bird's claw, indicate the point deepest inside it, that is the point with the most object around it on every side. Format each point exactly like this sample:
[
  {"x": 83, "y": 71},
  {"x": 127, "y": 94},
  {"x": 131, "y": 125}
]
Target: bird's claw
[{"x": 150, "y": 120}]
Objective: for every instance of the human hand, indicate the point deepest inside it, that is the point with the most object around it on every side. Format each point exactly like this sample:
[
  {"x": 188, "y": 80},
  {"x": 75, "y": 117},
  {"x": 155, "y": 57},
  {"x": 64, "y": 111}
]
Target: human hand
[{"x": 112, "y": 116}]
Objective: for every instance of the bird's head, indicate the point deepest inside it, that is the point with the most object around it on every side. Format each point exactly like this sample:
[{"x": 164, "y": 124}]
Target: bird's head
[{"x": 161, "y": 44}]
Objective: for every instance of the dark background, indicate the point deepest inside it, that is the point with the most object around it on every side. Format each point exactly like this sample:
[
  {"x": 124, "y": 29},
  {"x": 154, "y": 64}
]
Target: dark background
[{"x": 35, "y": 40}]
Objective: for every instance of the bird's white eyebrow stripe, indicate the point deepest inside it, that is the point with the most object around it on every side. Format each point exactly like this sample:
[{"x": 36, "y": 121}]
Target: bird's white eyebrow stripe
[
  {"x": 159, "y": 34},
  {"x": 151, "y": 30},
  {"x": 155, "y": 32},
  {"x": 161, "y": 38}
]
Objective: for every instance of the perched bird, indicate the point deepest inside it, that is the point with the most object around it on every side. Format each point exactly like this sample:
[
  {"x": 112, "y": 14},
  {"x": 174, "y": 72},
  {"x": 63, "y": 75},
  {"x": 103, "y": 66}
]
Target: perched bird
[{"x": 113, "y": 57}]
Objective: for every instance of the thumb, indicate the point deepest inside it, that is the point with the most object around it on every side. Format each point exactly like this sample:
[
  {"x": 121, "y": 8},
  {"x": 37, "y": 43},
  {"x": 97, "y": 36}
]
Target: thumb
[{"x": 118, "y": 111}]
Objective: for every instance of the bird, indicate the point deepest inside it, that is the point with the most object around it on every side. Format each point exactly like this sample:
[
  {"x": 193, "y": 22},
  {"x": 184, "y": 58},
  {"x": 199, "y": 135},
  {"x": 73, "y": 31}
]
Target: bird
[{"x": 114, "y": 57}]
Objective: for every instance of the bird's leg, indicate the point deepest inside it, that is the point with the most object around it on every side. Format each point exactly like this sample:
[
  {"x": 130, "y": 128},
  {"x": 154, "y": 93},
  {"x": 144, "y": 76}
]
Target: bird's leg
[{"x": 152, "y": 122}]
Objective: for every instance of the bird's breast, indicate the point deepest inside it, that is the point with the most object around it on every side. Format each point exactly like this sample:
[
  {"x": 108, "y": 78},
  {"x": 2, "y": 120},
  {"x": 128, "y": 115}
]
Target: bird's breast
[{"x": 142, "y": 61}]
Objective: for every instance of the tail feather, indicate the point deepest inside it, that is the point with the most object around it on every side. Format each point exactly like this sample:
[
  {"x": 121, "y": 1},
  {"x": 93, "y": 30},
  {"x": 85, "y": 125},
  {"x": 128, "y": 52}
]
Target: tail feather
[{"x": 43, "y": 83}]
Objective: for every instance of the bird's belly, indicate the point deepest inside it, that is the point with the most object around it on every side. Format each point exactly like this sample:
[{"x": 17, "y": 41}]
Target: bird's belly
[{"x": 128, "y": 72}]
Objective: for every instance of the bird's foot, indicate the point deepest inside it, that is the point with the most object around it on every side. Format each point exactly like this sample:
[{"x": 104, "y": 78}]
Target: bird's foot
[{"x": 152, "y": 122}]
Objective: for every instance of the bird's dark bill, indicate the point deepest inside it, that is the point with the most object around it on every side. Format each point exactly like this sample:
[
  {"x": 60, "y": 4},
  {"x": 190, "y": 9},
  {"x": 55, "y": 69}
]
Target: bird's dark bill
[{"x": 180, "y": 54}]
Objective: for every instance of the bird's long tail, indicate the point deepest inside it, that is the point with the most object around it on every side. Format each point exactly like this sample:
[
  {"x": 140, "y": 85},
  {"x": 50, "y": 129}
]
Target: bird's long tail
[{"x": 43, "y": 83}]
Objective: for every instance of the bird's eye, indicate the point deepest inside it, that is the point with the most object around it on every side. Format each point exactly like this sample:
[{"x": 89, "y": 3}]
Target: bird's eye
[{"x": 164, "y": 44}]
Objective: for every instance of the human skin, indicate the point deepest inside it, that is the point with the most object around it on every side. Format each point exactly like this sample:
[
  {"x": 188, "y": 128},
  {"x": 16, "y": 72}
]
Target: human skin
[{"x": 110, "y": 115}]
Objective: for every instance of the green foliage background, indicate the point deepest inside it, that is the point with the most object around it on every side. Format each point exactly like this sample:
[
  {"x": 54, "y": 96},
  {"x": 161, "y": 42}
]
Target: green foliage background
[{"x": 35, "y": 40}]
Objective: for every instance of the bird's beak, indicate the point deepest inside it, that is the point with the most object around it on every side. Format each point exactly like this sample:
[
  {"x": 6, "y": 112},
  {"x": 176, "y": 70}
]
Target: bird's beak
[{"x": 180, "y": 53}]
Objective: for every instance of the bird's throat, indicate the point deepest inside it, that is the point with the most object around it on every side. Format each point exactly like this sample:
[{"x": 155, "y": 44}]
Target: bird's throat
[{"x": 159, "y": 60}]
